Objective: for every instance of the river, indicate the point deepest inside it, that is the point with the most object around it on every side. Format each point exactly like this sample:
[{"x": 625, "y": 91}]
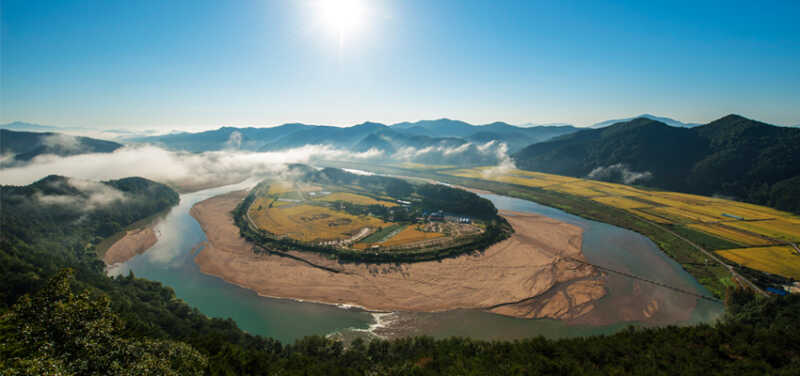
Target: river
[{"x": 171, "y": 262}]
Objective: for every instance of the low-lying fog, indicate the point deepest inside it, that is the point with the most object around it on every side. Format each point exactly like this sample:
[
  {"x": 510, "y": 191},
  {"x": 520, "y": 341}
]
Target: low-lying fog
[{"x": 191, "y": 171}]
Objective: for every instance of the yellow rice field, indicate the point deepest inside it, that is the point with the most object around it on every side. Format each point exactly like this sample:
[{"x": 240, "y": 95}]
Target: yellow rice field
[
  {"x": 649, "y": 217},
  {"x": 410, "y": 234},
  {"x": 682, "y": 215},
  {"x": 678, "y": 208},
  {"x": 309, "y": 222},
  {"x": 354, "y": 198},
  {"x": 780, "y": 260},
  {"x": 278, "y": 188},
  {"x": 620, "y": 202},
  {"x": 729, "y": 234},
  {"x": 576, "y": 189},
  {"x": 778, "y": 229}
]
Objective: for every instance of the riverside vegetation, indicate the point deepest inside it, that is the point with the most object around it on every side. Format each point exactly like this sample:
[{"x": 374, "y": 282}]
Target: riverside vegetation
[{"x": 83, "y": 322}]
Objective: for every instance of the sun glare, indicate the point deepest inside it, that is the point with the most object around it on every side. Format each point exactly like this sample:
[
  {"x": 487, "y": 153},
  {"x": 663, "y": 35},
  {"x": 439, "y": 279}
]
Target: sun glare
[{"x": 342, "y": 17}]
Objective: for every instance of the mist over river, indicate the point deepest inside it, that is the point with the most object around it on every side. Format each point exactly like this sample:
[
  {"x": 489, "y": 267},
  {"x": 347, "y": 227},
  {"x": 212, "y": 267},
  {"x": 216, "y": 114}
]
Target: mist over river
[{"x": 171, "y": 262}]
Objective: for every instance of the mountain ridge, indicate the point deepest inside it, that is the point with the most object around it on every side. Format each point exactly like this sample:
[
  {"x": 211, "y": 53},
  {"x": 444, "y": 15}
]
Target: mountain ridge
[{"x": 732, "y": 156}]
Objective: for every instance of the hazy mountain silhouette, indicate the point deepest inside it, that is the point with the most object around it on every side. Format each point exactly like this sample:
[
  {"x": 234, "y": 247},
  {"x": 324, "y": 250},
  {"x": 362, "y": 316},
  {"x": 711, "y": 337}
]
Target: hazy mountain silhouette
[{"x": 24, "y": 146}]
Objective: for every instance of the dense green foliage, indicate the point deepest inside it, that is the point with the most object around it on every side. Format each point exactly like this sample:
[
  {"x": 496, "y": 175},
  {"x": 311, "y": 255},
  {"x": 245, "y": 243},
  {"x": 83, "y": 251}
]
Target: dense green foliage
[
  {"x": 425, "y": 197},
  {"x": 57, "y": 221},
  {"x": 71, "y": 332},
  {"x": 56, "y": 331},
  {"x": 732, "y": 156},
  {"x": 125, "y": 325}
]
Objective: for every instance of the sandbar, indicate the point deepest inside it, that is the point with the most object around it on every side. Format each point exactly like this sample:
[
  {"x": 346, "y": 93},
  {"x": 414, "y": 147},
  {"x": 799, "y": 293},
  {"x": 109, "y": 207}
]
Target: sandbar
[
  {"x": 530, "y": 275},
  {"x": 131, "y": 244}
]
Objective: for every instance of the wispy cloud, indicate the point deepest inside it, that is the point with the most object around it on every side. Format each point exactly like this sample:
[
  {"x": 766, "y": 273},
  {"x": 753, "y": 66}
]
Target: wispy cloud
[
  {"x": 92, "y": 195},
  {"x": 619, "y": 173}
]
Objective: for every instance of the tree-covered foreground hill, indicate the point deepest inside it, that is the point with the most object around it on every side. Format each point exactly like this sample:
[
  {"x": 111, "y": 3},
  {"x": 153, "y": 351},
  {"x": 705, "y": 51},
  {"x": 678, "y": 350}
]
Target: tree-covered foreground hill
[
  {"x": 732, "y": 156},
  {"x": 77, "y": 321}
]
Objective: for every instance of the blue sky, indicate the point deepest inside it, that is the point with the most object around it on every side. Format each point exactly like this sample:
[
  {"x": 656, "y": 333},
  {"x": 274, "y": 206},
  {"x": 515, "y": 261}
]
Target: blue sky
[{"x": 201, "y": 64}]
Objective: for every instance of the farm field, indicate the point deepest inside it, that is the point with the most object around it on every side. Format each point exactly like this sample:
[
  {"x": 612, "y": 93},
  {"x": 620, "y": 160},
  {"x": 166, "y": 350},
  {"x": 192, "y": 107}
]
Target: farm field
[
  {"x": 780, "y": 260},
  {"x": 316, "y": 215},
  {"x": 309, "y": 222},
  {"x": 730, "y": 234},
  {"x": 355, "y": 198},
  {"x": 620, "y": 202},
  {"x": 741, "y": 223},
  {"x": 778, "y": 229},
  {"x": 410, "y": 234}
]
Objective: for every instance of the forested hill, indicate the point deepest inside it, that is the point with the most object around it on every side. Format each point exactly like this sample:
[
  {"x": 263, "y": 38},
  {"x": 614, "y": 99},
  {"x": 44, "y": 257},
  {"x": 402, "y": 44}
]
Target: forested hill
[
  {"x": 24, "y": 146},
  {"x": 82, "y": 322},
  {"x": 56, "y": 222},
  {"x": 732, "y": 156}
]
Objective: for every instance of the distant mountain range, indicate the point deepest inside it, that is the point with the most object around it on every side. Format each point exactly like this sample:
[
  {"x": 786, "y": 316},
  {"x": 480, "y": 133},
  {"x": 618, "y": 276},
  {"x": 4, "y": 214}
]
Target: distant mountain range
[
  {"x": 20, "y": 147},
  {"x": 731, "y": 156},
  {"x": 665, "y": 120},
  {"x": 22, "y": 126},
  {"x": 431, "y": 141}
]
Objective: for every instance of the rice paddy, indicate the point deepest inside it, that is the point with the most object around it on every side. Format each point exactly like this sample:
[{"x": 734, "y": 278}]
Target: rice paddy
[
  {"x": 781, "y": 260},
  {"x": 355, "y": 198},
  {"x": 737, "y": 222},
  {"x": 730, "y": 234},
  {"x": 410, "y": 234},
  {"x": 308, "y": 213},
  {"x": 309, "y": 222}
]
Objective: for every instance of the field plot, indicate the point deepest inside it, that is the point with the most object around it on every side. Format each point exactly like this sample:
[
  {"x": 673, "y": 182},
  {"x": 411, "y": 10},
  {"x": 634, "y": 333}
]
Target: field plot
[
  {"x": 649, "y": 217},
  {"x": 278, "y": 188},
  {"x": 310, "y": 222},
  {"x": 409, "y": 235},
  {"x": 729, "y": 234},
  {"x": 693, "y": 211},
  {"x": 354, "y": 198},
  {"x": 781, "y": 260},
  {"x": 682, "y": 214},
  {"x": 620, "y": 202},
  {"x": 577, "y": 189},
  {"x": 777, "y": 229}
]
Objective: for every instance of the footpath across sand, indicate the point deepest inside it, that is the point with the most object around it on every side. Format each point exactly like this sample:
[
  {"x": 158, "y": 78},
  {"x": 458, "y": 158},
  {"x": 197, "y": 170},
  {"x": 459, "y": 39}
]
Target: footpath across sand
[{"x": 523, "y": 276}]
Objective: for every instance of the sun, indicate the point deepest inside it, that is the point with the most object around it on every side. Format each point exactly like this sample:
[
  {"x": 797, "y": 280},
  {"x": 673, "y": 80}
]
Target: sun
[{"x": 342, "y": 17}]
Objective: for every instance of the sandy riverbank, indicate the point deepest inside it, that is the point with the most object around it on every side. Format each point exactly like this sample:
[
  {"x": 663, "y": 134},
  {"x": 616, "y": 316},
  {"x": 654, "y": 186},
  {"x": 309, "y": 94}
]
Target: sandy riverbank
[
  {"x": 133, "y": 243},
  {"x": 505, "y": 279}
]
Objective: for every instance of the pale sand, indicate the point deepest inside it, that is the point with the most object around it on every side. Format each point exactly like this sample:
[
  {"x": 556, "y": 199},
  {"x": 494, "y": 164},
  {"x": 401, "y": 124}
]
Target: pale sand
[
  {"x": 505, "y": 279},
  {"x": 133, "y": 243}
]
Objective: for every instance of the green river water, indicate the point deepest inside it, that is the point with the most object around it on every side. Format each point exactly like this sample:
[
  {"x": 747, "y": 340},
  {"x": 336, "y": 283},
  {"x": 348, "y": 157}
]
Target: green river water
[{"x": 170, "y": 262}]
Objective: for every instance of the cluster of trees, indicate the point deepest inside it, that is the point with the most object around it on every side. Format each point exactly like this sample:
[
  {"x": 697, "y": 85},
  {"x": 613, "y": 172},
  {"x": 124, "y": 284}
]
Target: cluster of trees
[
  {"x": 427, "y": 197},
  {"x": 388, "y": 214}
]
